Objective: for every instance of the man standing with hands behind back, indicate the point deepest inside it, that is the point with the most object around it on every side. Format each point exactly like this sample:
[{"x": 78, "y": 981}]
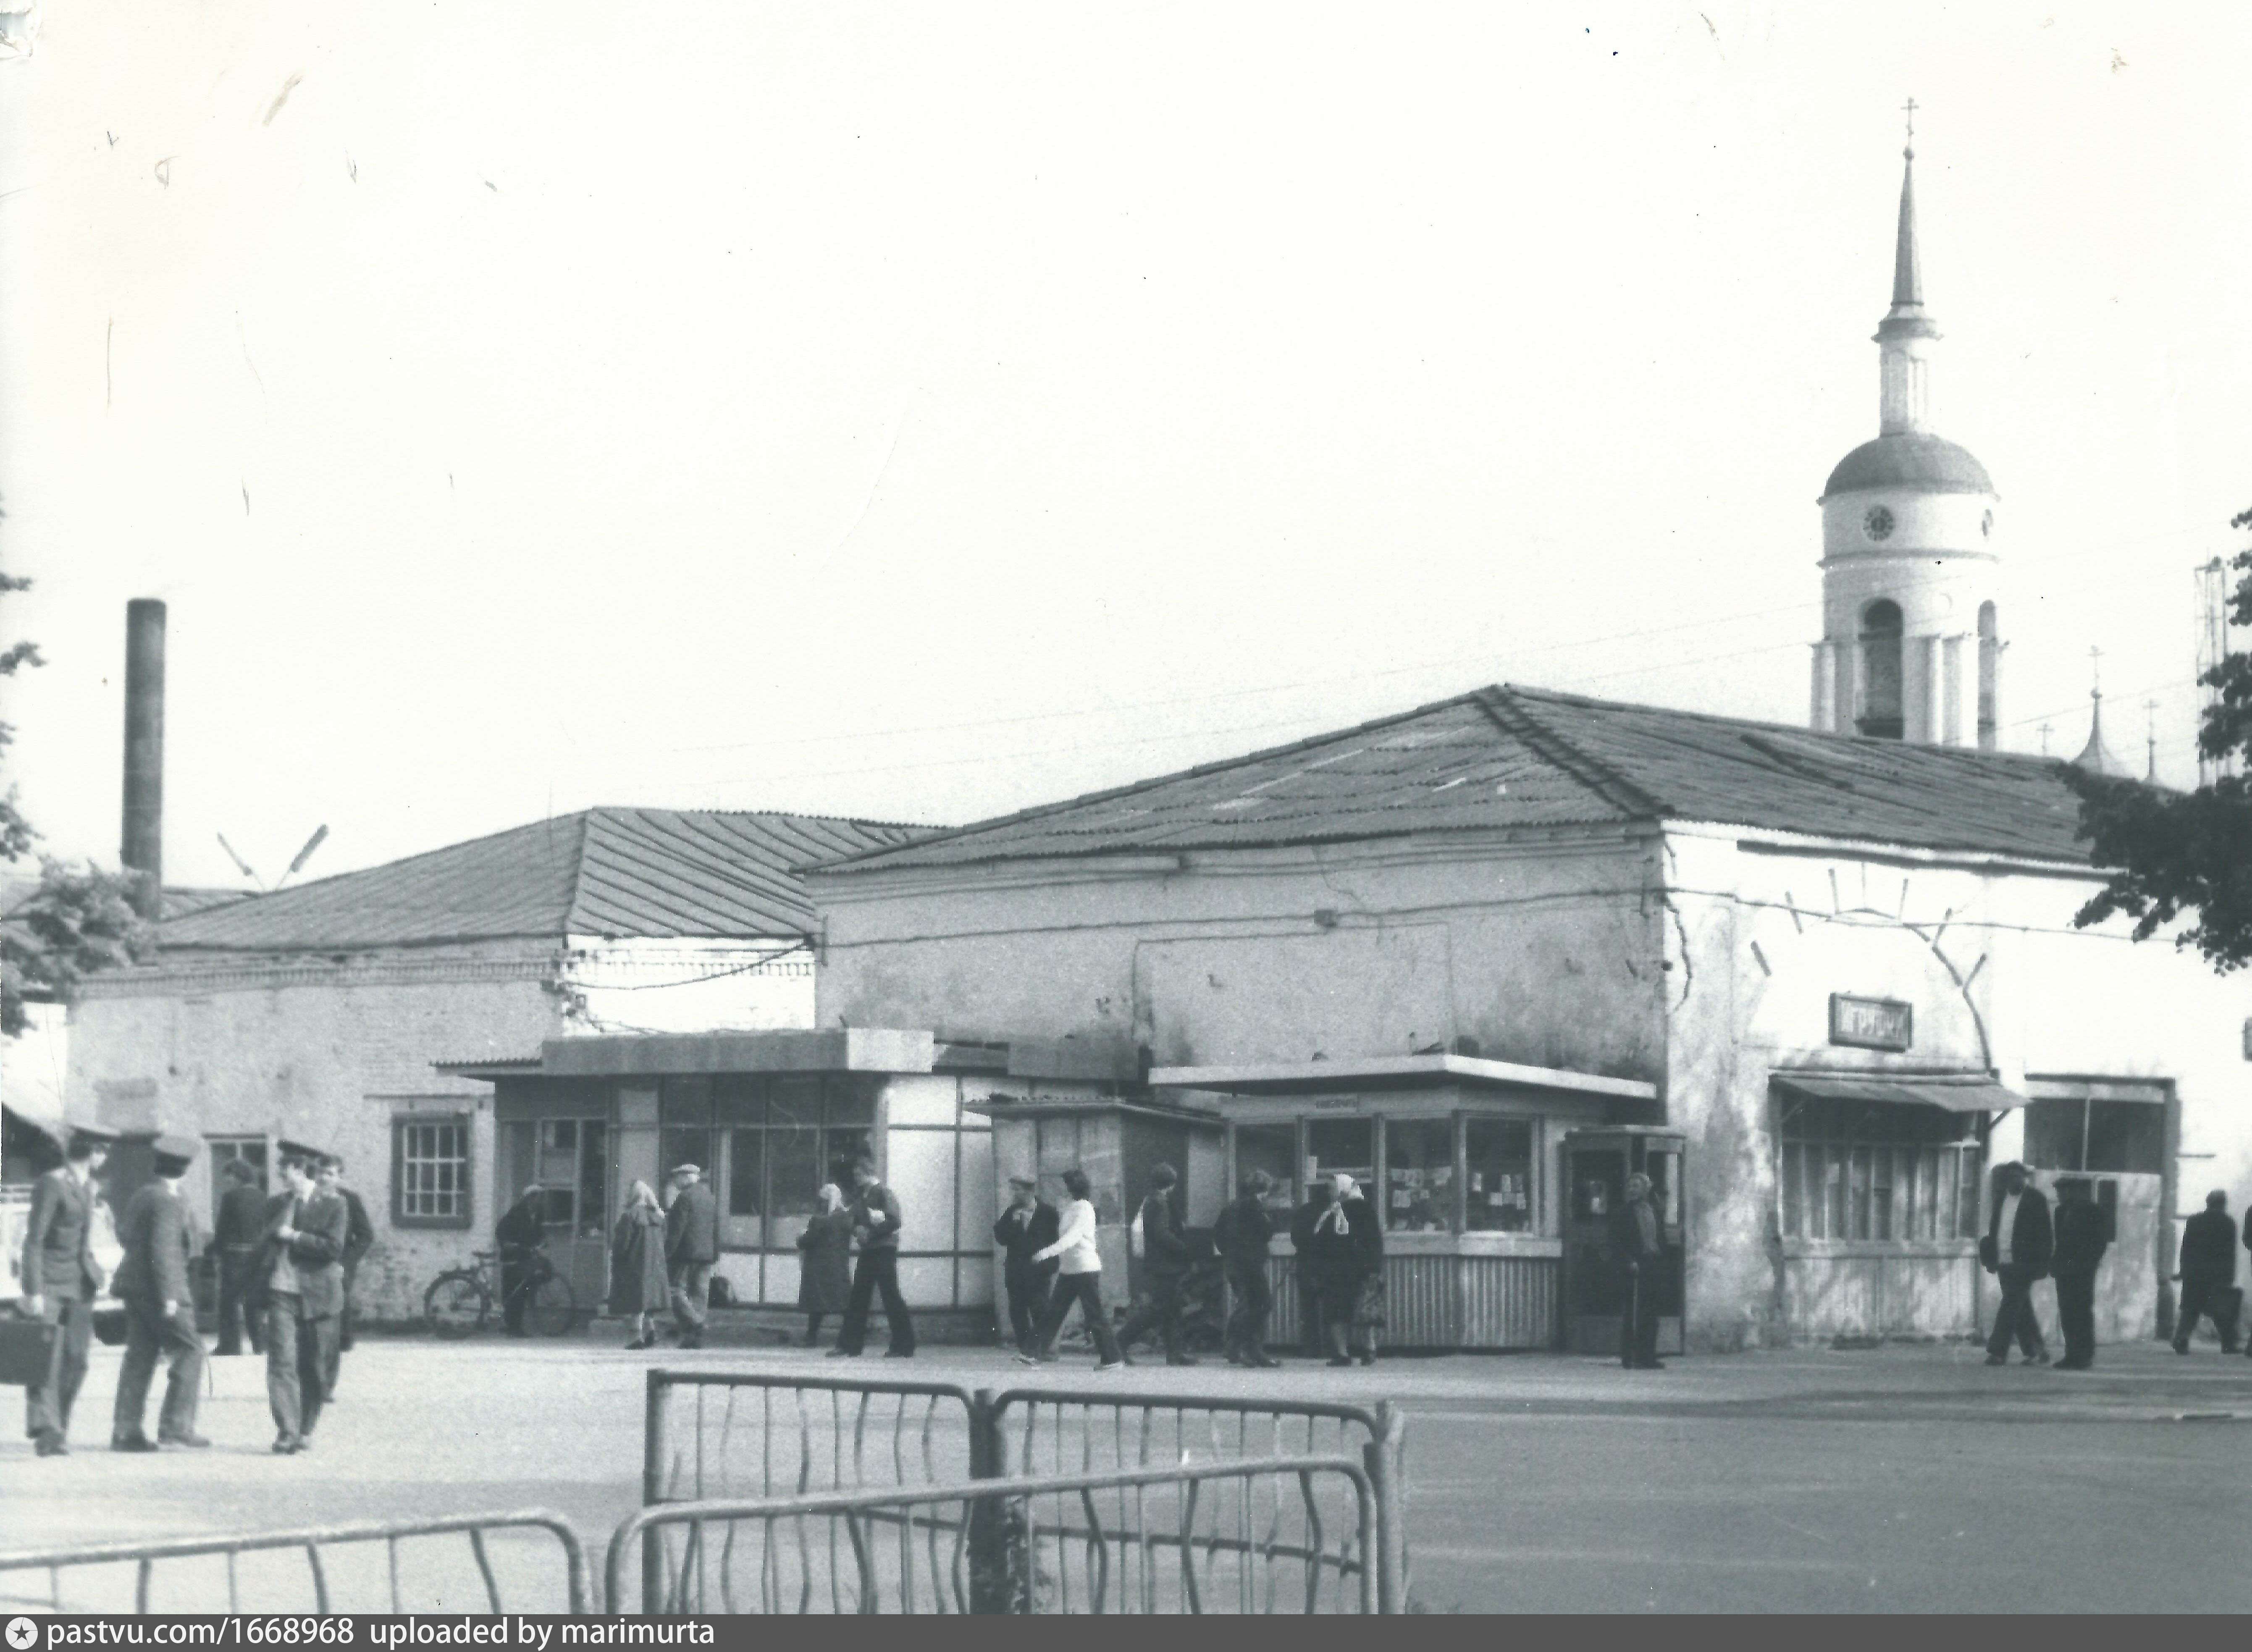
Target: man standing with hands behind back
[
  {"x": 160, "y": 1311},
  {"x": 60, "y": 1281},
  {"x": 301, "y": 1283},
  {"x": 1030, "y": 1223}
]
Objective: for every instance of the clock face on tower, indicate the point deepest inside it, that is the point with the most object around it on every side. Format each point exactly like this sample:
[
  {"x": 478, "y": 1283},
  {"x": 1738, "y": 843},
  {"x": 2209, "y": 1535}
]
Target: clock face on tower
[{"x": 1878, "y": 524}]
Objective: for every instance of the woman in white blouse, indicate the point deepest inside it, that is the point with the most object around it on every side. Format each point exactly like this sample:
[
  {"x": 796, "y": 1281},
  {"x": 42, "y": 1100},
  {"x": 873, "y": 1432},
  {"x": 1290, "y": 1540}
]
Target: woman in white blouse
[{"x": 1079, "y": 1279}]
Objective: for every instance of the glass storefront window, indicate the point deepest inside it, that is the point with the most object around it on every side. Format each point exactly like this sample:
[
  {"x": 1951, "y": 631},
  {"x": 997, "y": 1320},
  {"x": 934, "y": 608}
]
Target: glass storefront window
[
  {"x": 1877, "y": 1173},
  {"x": 1419, "y": 1175},
  {"x": 1274, "y": 1149},
  {"x": 1497, "y": 1190},
  {"x": 1341, "y": 1144}
]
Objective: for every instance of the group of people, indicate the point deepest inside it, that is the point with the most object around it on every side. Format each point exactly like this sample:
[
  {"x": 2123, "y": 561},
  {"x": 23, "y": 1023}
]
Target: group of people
[
  {"x": 663, "y": 1255},
  {"x": 283, "y": 1265},
  {"x": 1052, "y": 1263}
]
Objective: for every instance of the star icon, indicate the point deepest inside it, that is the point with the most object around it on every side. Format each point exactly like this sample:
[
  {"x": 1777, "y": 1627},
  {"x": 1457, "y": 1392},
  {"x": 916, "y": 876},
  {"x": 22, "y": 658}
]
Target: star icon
[{"x": 23, "y": 1634}]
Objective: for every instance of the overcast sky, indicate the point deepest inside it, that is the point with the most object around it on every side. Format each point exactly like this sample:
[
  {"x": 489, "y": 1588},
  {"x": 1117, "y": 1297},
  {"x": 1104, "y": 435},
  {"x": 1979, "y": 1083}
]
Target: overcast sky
[{"x": 923, "y": 412}]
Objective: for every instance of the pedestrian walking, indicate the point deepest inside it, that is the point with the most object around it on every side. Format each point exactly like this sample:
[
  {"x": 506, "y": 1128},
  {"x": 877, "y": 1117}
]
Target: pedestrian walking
[
  {"x": 1164, "y": 1265},
  {"x": 2020, "y": 1245},
  {"x": 1311, "y": 1340},
  {"x": 60, "y": 1281},
  {"x": 1345, "y": 1250},
  {"x": 824, "y": 1271},
  {"x": 2082, "y": 1234},
  {"x": 1241, "y": 1236},
  {"x": 875, "y": 1213},
  {"x": 1030, "y": 1223},
  {"x": 518, "y": 1235},
  {"x": 159, "y": 1238},
  {"x": 692, "y": 1245},
  {"x": 2209, "y": 1273},
  {"x": 1637, "y": 1247},
  {"x": 1079, "y": 1279},
  {"x": 359, "y": 1238},
  {"x": 639, "y": 1286},
  {"x": 301, "y": 1278},
  {"x": 238, "y": 1225}
]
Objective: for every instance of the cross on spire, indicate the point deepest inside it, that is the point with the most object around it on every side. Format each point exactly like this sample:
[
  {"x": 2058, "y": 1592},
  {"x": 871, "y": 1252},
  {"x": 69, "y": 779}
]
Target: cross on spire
[
  {"x": 1910, "y": 108},
  {"x": 2095, "y": 673}
]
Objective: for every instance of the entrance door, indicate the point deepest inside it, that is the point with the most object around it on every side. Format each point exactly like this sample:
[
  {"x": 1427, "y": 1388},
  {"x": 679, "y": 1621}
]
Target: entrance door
[
  {"x": 1596, "y": 1165},
  {"x": 568, "y": 1158}
]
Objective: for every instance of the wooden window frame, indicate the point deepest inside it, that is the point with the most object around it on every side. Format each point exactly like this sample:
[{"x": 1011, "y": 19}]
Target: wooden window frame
[{"x": 400, "y": 1124}]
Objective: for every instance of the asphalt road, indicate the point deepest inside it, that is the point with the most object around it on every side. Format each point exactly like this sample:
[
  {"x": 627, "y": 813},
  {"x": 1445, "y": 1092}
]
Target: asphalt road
[{"x": 1891, "y": 1480}]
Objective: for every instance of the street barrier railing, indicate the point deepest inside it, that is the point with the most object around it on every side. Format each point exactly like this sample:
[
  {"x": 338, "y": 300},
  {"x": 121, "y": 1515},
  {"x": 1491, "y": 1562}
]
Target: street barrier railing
[
  {"x": 1296, "y": 1532},
  {"x": 315, "y": 1544}
]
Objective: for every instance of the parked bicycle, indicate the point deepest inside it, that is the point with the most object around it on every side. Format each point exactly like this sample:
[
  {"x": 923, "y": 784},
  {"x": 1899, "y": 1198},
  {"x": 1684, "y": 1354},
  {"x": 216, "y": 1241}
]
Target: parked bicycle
[{"x": 461, "y": 1301}]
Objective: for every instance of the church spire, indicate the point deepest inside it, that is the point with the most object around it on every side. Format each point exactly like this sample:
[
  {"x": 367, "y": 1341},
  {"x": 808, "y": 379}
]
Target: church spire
[
  {"x": 1905, "y": 332},
  {"x": 1908, "y": 271},
  {"x": 2096, "y": 758}
]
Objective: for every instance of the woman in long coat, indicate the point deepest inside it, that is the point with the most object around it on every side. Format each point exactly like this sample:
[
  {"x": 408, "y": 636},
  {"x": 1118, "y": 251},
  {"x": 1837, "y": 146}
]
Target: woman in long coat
[
  {"x": 637, "y": 1282},
  {"x": 824, "y": 1277},
  {"x": 1345, "y": 1250}
]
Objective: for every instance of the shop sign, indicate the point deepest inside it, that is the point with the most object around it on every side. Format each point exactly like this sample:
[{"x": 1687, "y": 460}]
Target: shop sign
[{"x": 1871, "y": 1024}]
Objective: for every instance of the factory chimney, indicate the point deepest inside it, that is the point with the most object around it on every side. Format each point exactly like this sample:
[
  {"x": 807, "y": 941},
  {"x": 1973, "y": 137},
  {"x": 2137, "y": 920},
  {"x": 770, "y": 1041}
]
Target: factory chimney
[{"x": 142, "y": 848}]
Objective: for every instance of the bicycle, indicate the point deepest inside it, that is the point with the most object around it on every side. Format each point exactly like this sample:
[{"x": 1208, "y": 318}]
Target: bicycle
[{"x": 460, "y": 1300}]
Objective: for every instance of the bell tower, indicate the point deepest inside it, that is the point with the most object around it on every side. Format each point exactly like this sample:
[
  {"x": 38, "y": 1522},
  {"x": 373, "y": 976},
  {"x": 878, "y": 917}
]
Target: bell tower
[{"x": 1911, "y": 643}]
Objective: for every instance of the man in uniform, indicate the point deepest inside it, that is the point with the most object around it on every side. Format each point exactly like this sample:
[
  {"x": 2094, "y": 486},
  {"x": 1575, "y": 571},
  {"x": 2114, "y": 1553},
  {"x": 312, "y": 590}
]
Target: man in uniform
[
  {"x": 239, "y": 1226},
  {"x": 1638, "y": 1251},
  {"x": 61, "y": 1280},
  {"x": 876, "y": 1225},
  {"x": 1030, "y": 1223},
  {"x": 159, "y": 1238},
  {"x": 359, "y": 1238},
  {"x": 300, "y": 1275}
]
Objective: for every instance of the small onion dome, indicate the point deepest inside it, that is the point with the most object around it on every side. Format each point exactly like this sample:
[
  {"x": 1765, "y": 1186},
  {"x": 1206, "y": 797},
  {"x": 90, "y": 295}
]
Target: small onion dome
[{"x": 1912, "y": 460}]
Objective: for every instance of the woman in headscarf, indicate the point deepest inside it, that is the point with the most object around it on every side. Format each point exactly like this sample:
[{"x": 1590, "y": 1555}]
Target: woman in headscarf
[
  {"x": 638, "y": 1280},
  {"x": 824, "y": 1276},
  {"x": 1346, "y": 1251}
]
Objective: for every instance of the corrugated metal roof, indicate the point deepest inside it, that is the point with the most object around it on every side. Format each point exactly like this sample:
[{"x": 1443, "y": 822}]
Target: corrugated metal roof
[
  {"x": 1512, "y": 757},
  {"x": 644, "y": 873}
]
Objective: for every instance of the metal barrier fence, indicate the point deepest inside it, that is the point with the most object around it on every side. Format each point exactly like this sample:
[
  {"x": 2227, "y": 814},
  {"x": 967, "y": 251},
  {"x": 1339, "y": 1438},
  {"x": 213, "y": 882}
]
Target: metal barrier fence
[
  {"x": 1300, "y": 1532},
  {"x": 315, "y": 1544},
  {"x": 768, "y": 1434}
]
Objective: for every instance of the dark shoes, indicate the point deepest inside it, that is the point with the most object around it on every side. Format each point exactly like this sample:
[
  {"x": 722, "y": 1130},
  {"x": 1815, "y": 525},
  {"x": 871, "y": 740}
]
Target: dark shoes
[
  {"x": 193, "y": 1442},
  {"x": 1180, "y": 1359},
  {"x": 899, "y": 1353},
  {"x": 844, "y": 1353},
  {"x": 1264, "y": 1362},
  {"x": 51, "y": 1444},
  {"x": 288, "y": 1446},
  {"x": 1368, "y": 1359},
  {"x": 132, "y": 1442},
  {"x": 1341, "y": 1360},
  {"x": 640, "y": 1343},
  {"x": 2041, "y": 1358},
  {"x": 1997, "y": 1359}
]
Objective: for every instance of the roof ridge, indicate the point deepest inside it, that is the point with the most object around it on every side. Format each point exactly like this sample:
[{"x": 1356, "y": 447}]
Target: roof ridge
[
  {"x": 764, "y": 814},
  {"x": 949, "y": 833},
  {"x": 1501, "y": 703},
  {"x": 326, "y": 878}
]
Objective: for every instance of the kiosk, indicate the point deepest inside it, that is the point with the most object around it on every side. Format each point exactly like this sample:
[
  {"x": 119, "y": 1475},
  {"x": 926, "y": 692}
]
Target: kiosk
[{"x": 1596, "y": 1165}]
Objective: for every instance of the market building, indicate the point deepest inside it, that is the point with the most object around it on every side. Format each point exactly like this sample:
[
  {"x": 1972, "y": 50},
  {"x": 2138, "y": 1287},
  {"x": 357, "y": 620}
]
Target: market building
[{"x": 317, "y": 1013}]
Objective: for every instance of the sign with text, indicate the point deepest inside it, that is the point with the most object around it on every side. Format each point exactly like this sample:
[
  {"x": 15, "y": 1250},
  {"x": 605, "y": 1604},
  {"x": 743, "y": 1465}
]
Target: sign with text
[{"x": 1871, "y": 1024}]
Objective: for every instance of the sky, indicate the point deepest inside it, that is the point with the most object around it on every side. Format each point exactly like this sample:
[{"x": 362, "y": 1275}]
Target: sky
[{"x": 923, "y": 412}]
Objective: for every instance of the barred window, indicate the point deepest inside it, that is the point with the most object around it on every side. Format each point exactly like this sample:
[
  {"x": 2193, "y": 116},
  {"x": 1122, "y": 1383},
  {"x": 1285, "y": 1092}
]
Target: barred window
[
  {"x": 430, "y": 1171},
  {"x": 1852, "y": 1172}
]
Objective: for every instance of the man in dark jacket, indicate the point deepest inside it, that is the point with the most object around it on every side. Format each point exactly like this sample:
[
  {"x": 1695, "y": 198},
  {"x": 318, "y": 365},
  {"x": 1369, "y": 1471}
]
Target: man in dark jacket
[
  {"x": 692, "y": 1245},
  {"x": 1302, "y": 1240},
  {"x": 519, "y": 1235},
  {"x": 60, "y": 1281},
  {"x": 359, "y": 1240},
  {"x": 1638, "y": 1246},
  {"x": 2020, "y": 1243},
  {"x": 2209, "y": 1273},
  {"x": 299, "y": 1280},
  {"x": 159, "y": 1241},
  {"x": 1030, "y": 1223},
  {"x": 2082, "y": 1235},
  {"x": 1164, "y": 1264},
  {"x": 239, "y": 1226},
  {"x": 1240, "y": 1235},
  {"x": 876, "y": 1225}
]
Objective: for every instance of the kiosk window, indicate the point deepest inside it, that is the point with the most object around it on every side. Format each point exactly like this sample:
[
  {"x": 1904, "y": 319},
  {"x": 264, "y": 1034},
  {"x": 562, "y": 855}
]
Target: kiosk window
[
  {"x": 1419, "y": 1175},
  {"x": 1274, "y": 1149},
  {"x": 1852, "y": 1172},
  {"x": 2115, "y": 1137},
  {"x": 1341, "y": 1144},
  {"x": 1499, "y": 1191}
]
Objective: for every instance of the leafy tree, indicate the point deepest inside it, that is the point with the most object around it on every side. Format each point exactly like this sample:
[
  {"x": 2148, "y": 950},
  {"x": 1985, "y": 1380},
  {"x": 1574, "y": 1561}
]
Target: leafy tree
[
  {"x": 77, "y": 920},
  {"x": 2178, "y": 852}
]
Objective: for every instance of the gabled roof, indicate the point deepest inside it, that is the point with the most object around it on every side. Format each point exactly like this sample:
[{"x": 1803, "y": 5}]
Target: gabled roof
[
  {"x": 1506, "y": 758},
  {"x": 644, "y": 872}
]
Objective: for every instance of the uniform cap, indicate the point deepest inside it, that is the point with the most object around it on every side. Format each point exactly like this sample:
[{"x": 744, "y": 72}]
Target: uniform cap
[
  {"x": 1023, "y": 1181},
  {"x": 178, "y": 1151},
  {"x": 688, "y": 1170}
]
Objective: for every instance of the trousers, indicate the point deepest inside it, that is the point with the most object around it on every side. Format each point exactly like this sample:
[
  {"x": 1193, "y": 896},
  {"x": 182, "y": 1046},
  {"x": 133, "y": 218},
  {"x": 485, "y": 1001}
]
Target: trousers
[
  {"x": 1638, "y": 1325},
  {"x": 2210, "y": 1299},
  {"x": 47, "y": 1408},
  {"x": 1160, "y": 1310},
  {"x": 876, "y": 1271},
  {"x": 299, "y": 1355},
  {"x": 1086, "y": 1289},
  {"x": 692, "y": 1297},
  {"x": 1028, "y": 1301},
  {"x": 1254, "y": 1301},
  {"x": 236, "y": 1322},
  {"x": 2014, "y": 1316},
  {"x": 150, "y": 1333},
  {"x": 2075, "y": 1313}
]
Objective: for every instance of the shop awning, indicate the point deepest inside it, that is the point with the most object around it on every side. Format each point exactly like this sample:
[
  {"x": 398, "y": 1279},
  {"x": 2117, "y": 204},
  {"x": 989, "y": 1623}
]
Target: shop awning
[{"x": 1969, "y": 1093}]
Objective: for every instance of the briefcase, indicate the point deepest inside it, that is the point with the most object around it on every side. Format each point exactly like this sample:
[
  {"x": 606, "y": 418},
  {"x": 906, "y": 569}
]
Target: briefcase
[{"x": 27, "y": 1351}]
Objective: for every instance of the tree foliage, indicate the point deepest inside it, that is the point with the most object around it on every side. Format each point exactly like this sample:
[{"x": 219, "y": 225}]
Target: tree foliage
[{"x": 2176, "y": 853}]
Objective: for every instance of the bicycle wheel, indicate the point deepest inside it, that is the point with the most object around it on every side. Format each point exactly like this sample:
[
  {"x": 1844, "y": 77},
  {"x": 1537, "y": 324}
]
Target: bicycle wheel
[
  {"x": 456, "y": 1305},
  {"x": 552, "y": 1308}
]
